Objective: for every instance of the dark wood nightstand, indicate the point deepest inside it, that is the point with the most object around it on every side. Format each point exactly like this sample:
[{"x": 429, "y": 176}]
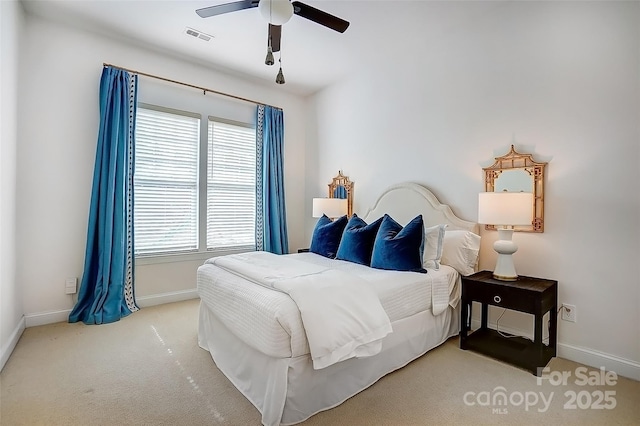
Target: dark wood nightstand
[{"x": 534, "y": 296}]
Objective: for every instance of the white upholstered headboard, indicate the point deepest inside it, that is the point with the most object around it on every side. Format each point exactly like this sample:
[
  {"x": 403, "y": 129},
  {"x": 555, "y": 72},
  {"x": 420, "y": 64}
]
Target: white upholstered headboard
[{"x": 405, "y": 201}]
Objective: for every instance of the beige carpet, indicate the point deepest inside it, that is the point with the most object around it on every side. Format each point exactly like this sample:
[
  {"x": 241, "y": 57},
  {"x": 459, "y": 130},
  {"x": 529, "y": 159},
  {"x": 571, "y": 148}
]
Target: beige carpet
[{"x": 148, "y": 370}]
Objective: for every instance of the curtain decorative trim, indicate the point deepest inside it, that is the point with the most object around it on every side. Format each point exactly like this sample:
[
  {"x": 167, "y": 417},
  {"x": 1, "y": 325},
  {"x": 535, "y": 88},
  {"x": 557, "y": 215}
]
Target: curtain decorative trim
[
  {"x": 129, "y": 294},
  {"x": 259, "y": 179}
]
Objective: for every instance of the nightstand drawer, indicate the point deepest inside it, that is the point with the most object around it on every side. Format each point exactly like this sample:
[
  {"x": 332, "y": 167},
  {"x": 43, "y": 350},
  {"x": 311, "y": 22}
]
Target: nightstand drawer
[{"x": 500, "y": 295}]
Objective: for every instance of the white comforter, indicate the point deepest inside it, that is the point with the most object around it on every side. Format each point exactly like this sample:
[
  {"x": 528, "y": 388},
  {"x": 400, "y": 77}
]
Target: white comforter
[{"x": 342, "y": 316}]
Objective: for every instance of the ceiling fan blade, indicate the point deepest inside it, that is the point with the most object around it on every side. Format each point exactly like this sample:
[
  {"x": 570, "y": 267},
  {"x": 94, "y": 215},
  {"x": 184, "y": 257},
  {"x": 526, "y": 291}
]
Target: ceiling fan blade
[
  {"x": 226, "y": 8},
  {"x": 275, "y": 33},
  {"x": 320, "y": 17}
]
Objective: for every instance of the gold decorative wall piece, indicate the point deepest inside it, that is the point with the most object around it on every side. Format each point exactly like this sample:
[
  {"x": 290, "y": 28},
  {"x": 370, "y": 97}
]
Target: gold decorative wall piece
[
  {"x": 518, "y": 172},
  {"x": 342, "y": 187}
]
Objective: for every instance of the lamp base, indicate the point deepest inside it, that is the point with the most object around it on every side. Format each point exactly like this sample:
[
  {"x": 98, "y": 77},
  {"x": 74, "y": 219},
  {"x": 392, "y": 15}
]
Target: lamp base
[
  {"x": 503, "y": 278},
  {"x": 505, "y": 247}
]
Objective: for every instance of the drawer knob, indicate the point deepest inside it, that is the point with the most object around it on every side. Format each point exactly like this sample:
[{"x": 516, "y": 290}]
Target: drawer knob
[{"x": 497, "y": 299}]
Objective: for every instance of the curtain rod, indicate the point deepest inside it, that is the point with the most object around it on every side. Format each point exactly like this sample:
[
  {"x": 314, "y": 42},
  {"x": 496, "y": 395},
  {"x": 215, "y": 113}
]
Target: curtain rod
[{"x": 204, "y": 89}]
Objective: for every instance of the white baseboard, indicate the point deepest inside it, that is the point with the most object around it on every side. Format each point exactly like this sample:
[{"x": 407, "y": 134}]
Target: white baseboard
[
  {"x": 50, "y": 317},
  {"x": 159, "y": 299},
  {"x": 11, "y": 344},
  {"x": 622, "y": 367}
]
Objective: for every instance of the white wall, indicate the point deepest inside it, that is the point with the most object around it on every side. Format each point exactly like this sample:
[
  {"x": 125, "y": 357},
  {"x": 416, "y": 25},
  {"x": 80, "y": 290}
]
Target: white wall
[
  {"x": 11, "y": 320},
  {"x": 61, "y": 70},
  {"x": 444, "y": 92}
]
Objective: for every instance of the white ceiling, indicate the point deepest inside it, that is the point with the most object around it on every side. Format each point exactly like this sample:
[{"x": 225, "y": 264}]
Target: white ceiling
[{"x": 313, "y": 56}]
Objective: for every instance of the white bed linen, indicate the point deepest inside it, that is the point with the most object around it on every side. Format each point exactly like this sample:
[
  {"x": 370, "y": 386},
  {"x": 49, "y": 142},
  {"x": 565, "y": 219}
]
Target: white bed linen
[
  {"x": 402, "y": 293},
  {"x": 341, "y": 314},
  {"x": 288, "y": 390},
  {"x": 271, "y": 322}
]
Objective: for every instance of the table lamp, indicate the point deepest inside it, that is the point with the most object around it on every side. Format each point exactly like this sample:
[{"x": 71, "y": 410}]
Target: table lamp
[
  {"x": 505, "y": 210},
  {"x": 332, "y": 207}
]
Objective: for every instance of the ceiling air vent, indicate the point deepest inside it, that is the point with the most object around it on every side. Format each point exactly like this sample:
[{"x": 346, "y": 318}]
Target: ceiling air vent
[{"x": 197, "y": 34}]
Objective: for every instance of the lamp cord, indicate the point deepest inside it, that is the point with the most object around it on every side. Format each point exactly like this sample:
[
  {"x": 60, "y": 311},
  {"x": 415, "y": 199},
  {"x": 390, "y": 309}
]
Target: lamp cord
[{"x": 508, "y": 336}]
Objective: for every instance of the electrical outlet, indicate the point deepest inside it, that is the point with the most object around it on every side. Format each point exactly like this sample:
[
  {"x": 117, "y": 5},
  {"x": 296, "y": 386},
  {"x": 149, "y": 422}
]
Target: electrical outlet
[
  {"x": 71, "y": 285},
  {"x": 569, "y": 312}
]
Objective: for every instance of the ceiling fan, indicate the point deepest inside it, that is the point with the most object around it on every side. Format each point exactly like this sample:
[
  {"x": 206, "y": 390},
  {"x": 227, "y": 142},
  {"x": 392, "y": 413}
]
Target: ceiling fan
[{"x": 277, "y": 13}]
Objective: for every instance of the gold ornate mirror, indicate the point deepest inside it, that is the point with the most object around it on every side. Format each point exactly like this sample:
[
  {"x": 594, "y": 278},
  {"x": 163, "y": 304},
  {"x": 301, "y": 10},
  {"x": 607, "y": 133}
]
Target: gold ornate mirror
[
  {"x": 342, "y": 187},
  {"x": 516, "y": 172}
]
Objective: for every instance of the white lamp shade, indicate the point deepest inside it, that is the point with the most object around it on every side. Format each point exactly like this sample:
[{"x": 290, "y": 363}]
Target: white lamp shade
[
  {"x": 276, "y": 12},
  {"x": 505, "y": 208},
  {"x": 332, "y": 207}
]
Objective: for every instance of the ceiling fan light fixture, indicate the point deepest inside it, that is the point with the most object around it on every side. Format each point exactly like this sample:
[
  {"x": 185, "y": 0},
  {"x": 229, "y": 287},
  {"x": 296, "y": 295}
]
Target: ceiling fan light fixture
[
  {"x": 276, "y": 12},
  {"x": 269, "y": 59},
  {"x": 280, "y": 77}
]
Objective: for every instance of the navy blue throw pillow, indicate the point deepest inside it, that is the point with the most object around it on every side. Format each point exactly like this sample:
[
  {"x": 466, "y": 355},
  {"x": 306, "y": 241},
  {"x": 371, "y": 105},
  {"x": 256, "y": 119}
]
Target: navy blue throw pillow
[
  {"x": 326, "y": 236},
  {"x": 357, "y": 241},
  {"x": 397, "y": 248}
]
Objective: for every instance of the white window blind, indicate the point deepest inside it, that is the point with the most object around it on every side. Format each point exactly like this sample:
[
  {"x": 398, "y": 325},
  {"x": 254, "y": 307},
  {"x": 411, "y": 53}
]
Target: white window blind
[
  {"x": 231, "y": 186},
  {"x": 166, "y": 181}
]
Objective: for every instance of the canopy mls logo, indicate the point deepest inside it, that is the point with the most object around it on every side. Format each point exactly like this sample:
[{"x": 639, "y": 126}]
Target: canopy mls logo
[{"x": 499, "y": 400}]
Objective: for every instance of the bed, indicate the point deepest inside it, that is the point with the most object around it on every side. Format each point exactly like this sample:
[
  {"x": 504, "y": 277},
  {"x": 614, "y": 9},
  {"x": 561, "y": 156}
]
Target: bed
[{"x": 255, "y": 334}]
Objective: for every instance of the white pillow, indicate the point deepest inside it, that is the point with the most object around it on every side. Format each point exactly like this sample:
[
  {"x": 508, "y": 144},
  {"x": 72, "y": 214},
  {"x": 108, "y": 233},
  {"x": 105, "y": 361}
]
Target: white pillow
[
  {"x": 460, "y": 251},
  {"x": 433, "y": 239}
]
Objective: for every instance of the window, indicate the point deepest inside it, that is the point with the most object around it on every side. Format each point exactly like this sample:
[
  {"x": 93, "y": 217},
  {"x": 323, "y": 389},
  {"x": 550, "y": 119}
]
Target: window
[
  {"x": 182, "y": 204},
  {"x": 165, "y": 182},
  {"x": 231, "y": 186}
]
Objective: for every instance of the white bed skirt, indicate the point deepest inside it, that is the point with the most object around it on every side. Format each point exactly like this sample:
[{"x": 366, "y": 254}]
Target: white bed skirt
[{"x": 288, "y": 390}]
